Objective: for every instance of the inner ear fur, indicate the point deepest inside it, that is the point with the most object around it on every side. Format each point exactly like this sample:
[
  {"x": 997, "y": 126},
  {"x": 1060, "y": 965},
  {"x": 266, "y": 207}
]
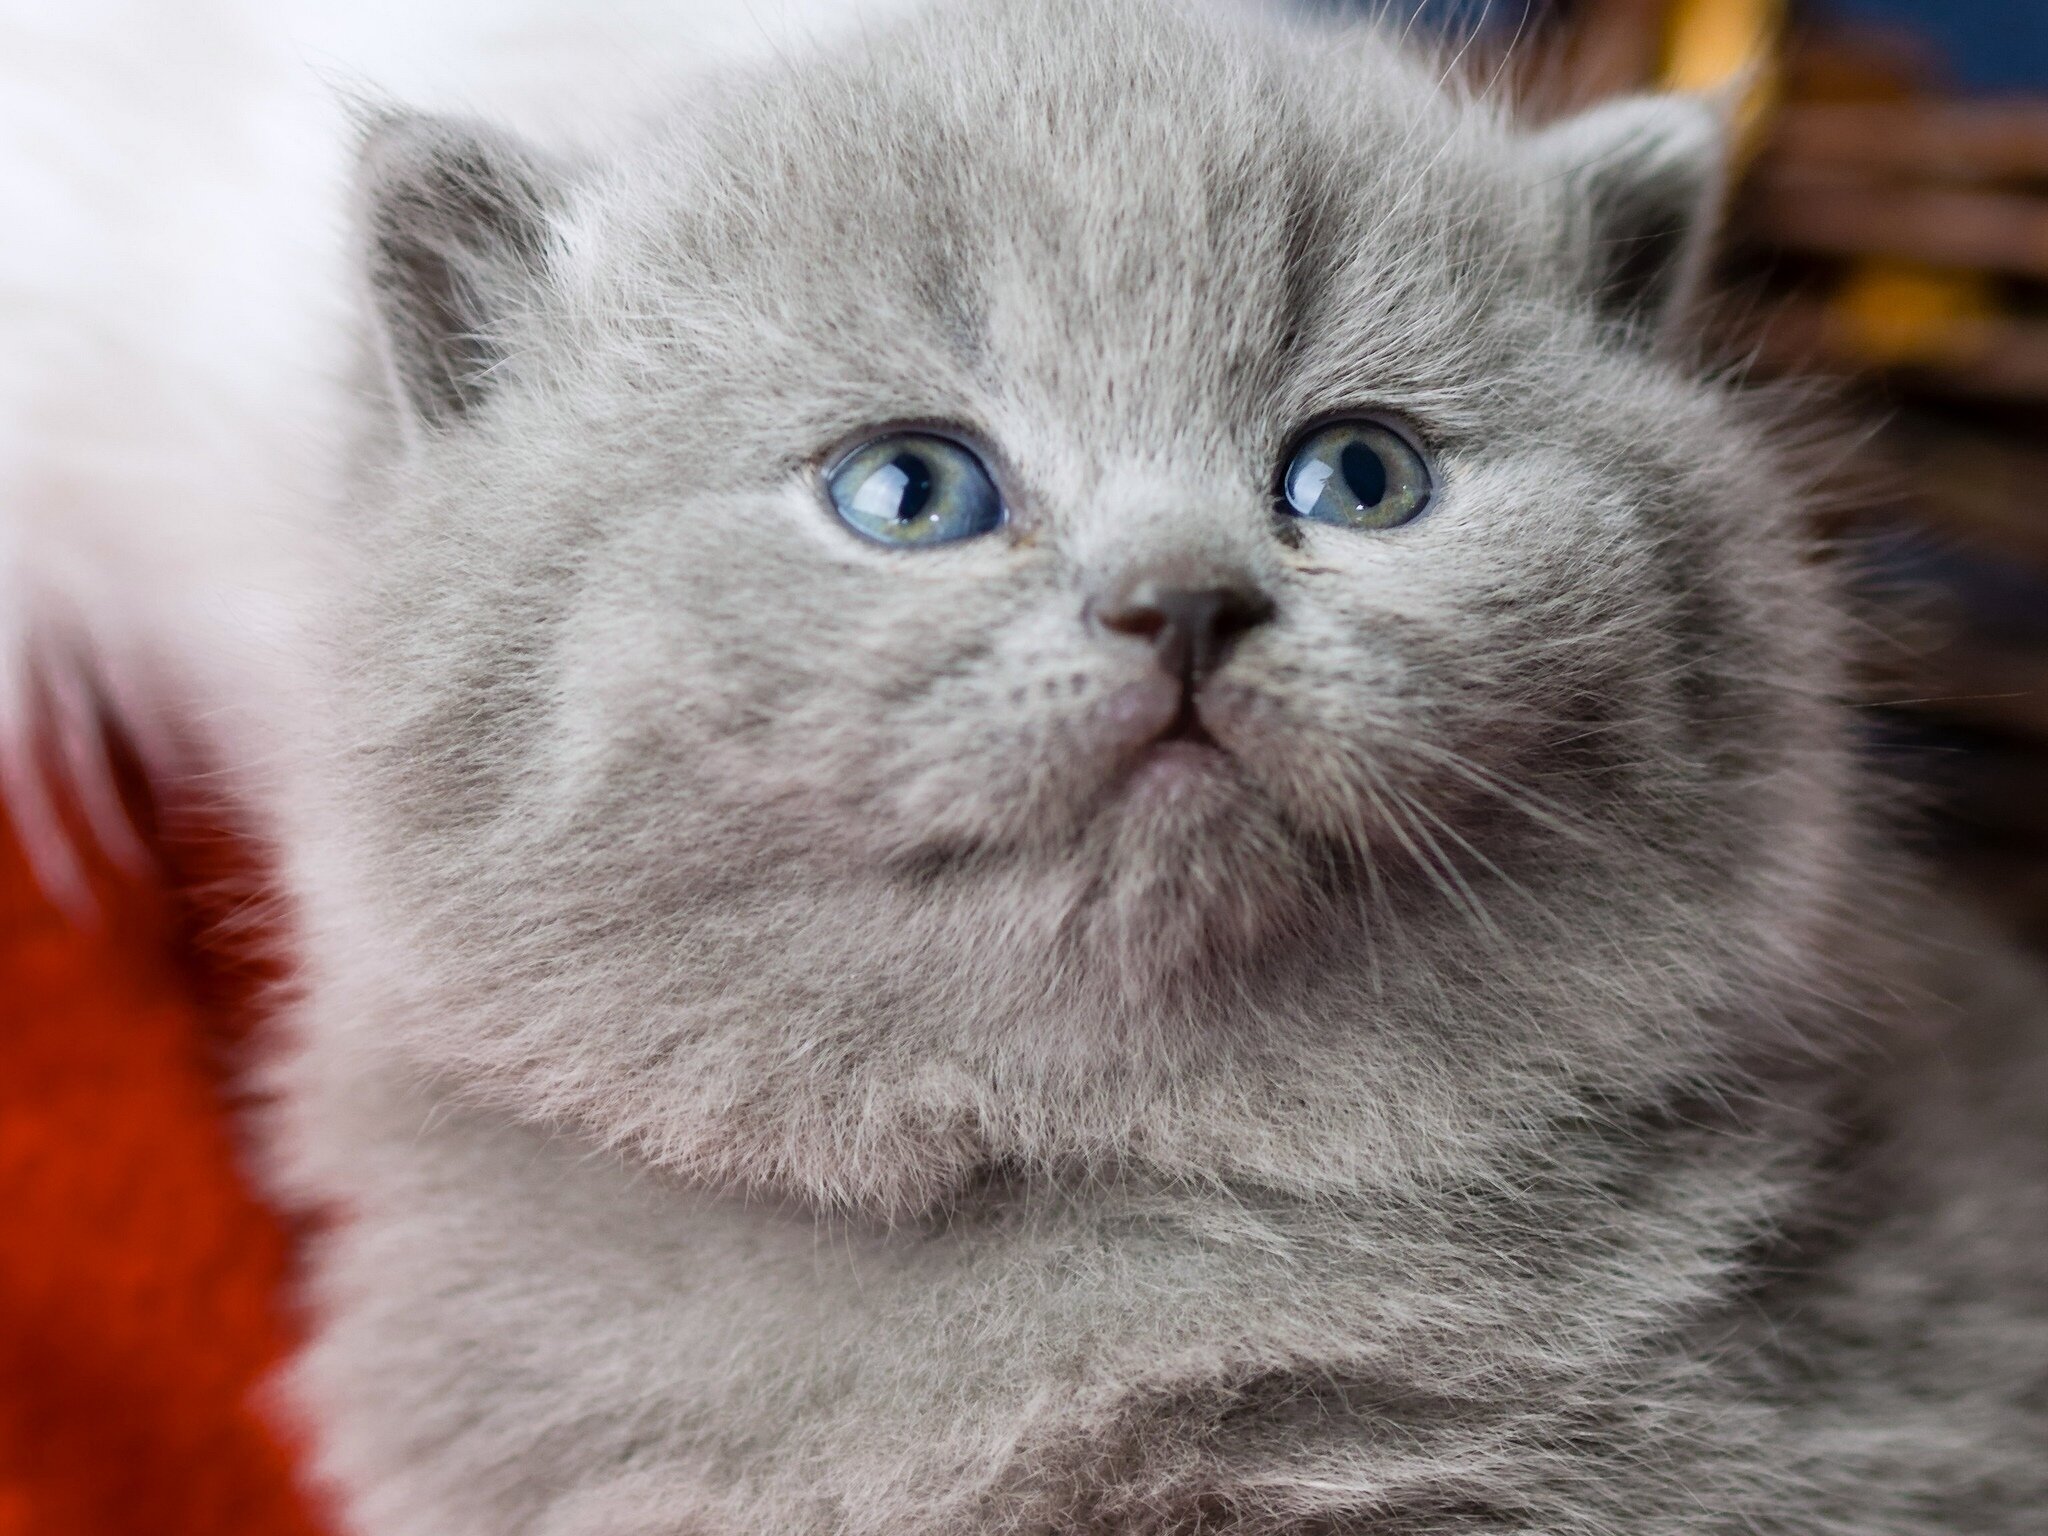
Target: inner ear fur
[
  {"x": 1644, "y": 179},
  {"x": 456, "y": 219}
]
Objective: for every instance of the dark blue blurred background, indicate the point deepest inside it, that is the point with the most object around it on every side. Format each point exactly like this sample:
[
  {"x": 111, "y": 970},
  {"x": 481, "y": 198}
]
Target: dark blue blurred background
[{"x": 1987, "y": 45}]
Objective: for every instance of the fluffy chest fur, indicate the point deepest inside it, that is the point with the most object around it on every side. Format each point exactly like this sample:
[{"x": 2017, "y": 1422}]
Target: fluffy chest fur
[{"x": 604, "y": 1351}]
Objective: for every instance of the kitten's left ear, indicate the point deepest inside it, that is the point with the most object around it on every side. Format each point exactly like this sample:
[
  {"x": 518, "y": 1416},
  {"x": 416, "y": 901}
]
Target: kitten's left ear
[
  {"x": 1644, "y": 179},
  {"x": 457, "y": 219}
]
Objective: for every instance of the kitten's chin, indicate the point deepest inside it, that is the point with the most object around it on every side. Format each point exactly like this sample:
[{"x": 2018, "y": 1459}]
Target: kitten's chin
[
  {"x": 1193, "y": 871},
  {"x": 1175, "y": 774}
]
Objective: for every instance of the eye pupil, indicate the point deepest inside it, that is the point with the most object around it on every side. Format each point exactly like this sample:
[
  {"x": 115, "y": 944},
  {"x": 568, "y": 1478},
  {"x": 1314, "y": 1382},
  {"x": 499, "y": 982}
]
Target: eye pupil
[
  {"x": 1365, "y": 472},
  {"x": 896, "y": 491},
  {"x": 914, "y": 476}
]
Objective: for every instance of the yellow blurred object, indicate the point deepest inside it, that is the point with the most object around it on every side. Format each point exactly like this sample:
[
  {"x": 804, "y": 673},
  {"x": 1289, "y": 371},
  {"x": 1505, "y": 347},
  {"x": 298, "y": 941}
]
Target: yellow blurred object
[
  {"x": 1713, "y": 46},
  {"x": 1884, "y": 313},
  {"x": 1893, "y": 313}
]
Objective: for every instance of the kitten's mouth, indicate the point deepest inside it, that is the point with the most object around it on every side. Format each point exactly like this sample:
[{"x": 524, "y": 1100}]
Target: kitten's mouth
[
  {"x": 1186, "y": 726},
  {"x": 1181, "y": 757},
  {"x": 1165, "y": 744}
]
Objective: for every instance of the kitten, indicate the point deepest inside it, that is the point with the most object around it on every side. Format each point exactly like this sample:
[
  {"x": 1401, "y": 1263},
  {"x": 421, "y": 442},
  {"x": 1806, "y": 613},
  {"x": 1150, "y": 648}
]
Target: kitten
[{"x": 1068, "y": 779}]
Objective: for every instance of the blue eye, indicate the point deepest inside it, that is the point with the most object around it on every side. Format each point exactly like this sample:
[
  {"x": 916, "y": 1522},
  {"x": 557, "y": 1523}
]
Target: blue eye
[
  {"x": 914, "y": 490},
  {"x": 1357, "y": 474}
]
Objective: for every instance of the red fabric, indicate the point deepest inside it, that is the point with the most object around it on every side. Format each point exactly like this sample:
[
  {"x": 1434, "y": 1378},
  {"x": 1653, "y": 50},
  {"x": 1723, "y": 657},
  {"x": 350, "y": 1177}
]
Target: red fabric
[{"x": 142, "y": 1285}]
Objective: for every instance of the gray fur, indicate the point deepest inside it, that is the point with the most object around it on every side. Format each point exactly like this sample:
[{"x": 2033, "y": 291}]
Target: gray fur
[{"x": 775, "y": 1079}]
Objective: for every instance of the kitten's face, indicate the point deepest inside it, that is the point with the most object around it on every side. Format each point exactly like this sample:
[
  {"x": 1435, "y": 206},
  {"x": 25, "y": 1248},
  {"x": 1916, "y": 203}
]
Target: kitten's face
[{"x": 687, "y": 780}]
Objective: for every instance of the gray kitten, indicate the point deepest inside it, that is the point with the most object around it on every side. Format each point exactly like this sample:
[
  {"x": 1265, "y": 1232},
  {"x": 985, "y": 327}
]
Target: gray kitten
[{"x": 1075, "y": 785}]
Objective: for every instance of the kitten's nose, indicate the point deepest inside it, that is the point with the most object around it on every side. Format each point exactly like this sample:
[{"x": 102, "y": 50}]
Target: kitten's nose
[{"x": 1192, "y": 628}]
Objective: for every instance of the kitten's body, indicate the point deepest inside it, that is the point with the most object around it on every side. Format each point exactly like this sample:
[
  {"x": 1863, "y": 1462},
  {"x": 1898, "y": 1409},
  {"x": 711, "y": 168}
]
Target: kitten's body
[
  {"x": 791, "y": 1058},
  {"x": 1664, "y": 1337}
]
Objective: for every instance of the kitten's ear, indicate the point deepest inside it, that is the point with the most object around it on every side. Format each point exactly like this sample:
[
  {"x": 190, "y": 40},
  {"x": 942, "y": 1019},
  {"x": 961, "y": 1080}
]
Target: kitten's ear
[
  {"x": 1644, "y": 177},
  {"x": 455, "y": 221}
]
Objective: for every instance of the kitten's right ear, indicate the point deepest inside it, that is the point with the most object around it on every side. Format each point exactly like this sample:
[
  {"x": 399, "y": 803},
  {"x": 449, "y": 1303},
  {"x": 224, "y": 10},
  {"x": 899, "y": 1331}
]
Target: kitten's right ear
[
  {"x": 455, "y": 219},
  {"x": 1643, "y": 179}
]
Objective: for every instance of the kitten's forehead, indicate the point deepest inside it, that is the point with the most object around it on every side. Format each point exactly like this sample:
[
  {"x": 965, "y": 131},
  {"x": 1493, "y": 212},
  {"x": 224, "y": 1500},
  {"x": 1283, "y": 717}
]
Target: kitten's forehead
[{"x": 1131, "y": 209}]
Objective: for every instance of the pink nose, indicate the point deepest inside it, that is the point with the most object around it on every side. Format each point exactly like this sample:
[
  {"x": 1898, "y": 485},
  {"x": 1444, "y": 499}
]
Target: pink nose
[{"x": 1192, "y": 629}]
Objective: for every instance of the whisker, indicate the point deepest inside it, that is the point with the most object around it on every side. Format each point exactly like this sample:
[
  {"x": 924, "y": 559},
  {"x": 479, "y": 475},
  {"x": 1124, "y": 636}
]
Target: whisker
[
  {"x": 1537, "y": 808},
  {"x": 1441, "y": 871},
  {"x": 1481, "y": 913},
  {"x": 1484, "y": 862}
]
